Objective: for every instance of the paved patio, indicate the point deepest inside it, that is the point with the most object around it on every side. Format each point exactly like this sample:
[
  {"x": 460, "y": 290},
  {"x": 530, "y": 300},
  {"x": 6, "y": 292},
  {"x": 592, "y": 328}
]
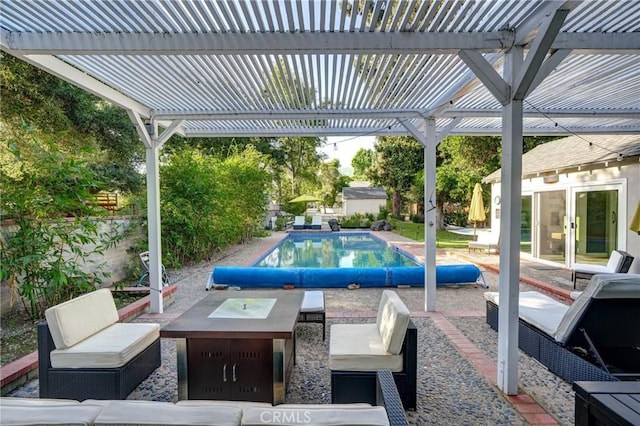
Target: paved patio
[{"x": 457, "y": 350}]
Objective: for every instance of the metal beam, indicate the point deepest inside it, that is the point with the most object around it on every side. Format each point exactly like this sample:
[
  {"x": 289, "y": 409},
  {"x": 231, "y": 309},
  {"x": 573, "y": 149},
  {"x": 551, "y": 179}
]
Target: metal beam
[
  {"x": 387, "y": 114},
  {"x": 80, "y": 79},
  {"x": 487, "y": 74},
  {"x": 523, "y": 83},
  {"x": 72, "y": 43}
]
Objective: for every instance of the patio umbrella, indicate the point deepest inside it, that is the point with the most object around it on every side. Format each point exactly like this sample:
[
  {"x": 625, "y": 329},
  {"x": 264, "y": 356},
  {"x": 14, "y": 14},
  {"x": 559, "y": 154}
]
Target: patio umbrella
[{"x": 476, "y": 209}]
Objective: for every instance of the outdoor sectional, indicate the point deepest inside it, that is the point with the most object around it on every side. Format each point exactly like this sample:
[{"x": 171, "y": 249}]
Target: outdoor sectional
[
  {"x": 594, "y": 339},
  {"x": 33, "y": 411},
  {"x": 84, "y": 352}
]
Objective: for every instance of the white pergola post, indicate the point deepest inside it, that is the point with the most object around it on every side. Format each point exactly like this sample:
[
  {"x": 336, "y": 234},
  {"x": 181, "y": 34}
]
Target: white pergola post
[
  {"x": 429, "y": 141},
  {"x": 153, "y": 223},
  {"x": 153, "y": 142},
  {"x": 511, "y": 207},
  {"x": 430, "y": 215}
]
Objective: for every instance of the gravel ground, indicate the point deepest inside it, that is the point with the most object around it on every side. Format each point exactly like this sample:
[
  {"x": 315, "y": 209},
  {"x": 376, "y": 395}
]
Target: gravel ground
[{"x": 450, "y": 390}]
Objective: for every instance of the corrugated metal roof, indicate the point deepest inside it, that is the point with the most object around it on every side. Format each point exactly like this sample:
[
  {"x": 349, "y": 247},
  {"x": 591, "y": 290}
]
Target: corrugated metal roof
[
  {"x": 351, "y": 67},
  {"x": 577, "y": 151},
  {"x": 359, "y": 193}
]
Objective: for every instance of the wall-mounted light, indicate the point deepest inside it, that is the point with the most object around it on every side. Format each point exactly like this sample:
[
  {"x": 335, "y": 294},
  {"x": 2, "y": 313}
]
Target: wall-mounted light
[{"x": 551, "y": 179}]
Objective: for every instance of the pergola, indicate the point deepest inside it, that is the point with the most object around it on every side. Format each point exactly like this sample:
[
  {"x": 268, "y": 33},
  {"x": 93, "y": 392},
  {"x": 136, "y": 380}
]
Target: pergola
[{"x": 350, "y": 67}]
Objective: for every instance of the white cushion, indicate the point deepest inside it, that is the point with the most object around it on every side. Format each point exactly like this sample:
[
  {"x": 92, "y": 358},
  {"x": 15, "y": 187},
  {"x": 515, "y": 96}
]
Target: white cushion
[
  {"x": 592, "y": 269},
  {"x": 208, "y": 402},
  {"x": 324, "y": 406},
  {"x": 166, "y": 413},
  {"x": 74, "y": 320},
  {"x": 607, "y": 286},
  {"x": 313, "y": 301},
  {"x": 358, "y": 347},
  {"x": 66, "y": 414},
  {"x": 34, "y": 402},
  {"x": 330, "y": 415},
  {"x": 392, "y": 321},
  {"x": 537, "y": 309},
  {"x": 615, "y": 261},
  {"x": 112, "y": 347}
]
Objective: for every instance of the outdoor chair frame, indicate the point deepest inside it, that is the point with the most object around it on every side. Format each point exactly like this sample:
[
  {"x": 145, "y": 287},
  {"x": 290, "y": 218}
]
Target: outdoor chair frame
[
  {"x": 91, "y": 383},
  {"x": 360, "y": 386},
  {"x": 623, "y": 268},
  {"x": 612, "y": 343},
  {"x": 144, "y": 265}
]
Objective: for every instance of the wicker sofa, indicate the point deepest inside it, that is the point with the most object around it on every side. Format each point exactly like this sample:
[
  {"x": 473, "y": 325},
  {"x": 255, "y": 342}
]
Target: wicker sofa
[
  {"x": 85, "y": 353},
  {"x": 594, "y": 339},
  {"x": 357, "y": 351},
  {"x": 32, "y": 411}
]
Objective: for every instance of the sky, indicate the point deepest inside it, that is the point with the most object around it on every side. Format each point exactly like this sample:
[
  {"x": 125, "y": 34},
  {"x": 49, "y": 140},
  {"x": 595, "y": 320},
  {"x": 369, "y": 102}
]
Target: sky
[{"x": 345, "y": 148}]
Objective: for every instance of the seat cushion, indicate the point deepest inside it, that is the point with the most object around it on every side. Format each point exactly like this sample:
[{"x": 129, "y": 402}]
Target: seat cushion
[
  {"x": 53, "y": 414},
  {"x": 34, "y": 402},
  {"x": 72, "y": 321},
  {"x": 537, "y": 309},
  {"x": 392, "y": 321},
  {"x": 166, "y": 413},
  {"x": 358, "y": 347},
  {"x": 112, "y": 347},
  {"x": 326, "y": 415},
  {"x": 313, "y": 301},
  {"x": 605, "y": 286}
]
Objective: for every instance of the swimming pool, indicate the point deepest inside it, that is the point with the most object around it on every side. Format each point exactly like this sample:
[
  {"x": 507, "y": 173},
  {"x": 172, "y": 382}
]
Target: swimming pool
[
  {"x": 352, "y": 250},
  {"x": 357, "y": 262}
]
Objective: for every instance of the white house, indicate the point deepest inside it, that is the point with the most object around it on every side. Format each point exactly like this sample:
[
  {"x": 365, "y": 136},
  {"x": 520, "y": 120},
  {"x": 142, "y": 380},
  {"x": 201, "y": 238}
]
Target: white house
[
  {"x": 362, "y": 200},
  {"x": 579, "y": 195}
]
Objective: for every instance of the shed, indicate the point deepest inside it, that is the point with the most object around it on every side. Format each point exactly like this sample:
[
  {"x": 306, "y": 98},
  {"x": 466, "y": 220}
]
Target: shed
[{"x": 363, "y": 200}]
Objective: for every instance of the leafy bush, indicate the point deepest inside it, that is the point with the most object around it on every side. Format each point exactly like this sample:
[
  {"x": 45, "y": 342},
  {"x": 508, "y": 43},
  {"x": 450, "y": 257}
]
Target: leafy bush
[
  {"x": 44, "y": 255},
  {"x": 384, "y": 213},
  {"x": 357, "y": 220},
  {"x": 208, "y": 203},
  {"x": 417, "y": 218}
]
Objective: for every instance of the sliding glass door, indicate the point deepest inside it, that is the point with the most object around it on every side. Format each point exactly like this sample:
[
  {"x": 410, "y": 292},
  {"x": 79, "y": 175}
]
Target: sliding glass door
[
  {"x": 595, "y": 225},
  {"x": 551, "y": 225}
]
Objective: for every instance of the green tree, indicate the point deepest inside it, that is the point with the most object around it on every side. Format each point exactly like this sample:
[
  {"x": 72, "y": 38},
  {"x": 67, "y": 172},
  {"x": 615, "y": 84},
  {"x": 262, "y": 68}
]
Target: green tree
[
  {"x": 44, "y": 255},
  {"x": 80, "y": 121},
  {"x": 361, "y": 163},
  {"x": 396, "y": 161},
  {"x": 332, "y": 182}
]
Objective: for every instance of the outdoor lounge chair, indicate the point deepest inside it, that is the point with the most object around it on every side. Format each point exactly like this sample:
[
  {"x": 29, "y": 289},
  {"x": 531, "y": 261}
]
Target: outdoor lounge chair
[
  {"x": 594, "y": 339},
  {"x": 619, "y": 262},
  {"x": 486, "y": 241},
  {"x": 316, "y": 222},
  {"x": 357, "y": 351},
  {"x": 298, "y": 223}
]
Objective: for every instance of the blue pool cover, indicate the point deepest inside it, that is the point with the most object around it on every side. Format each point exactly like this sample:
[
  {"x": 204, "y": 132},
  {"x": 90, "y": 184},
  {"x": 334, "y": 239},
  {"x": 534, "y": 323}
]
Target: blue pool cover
[{"x": 341, "y": 277}]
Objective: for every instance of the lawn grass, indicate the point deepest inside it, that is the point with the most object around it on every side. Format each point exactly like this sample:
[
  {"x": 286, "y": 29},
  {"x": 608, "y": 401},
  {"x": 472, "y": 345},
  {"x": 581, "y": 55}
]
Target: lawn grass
[{"x": 444, "y": 239}]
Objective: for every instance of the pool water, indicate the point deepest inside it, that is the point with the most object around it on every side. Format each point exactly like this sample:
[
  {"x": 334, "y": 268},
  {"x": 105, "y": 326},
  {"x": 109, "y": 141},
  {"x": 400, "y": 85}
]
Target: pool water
[{"x": 353, "y": 250}]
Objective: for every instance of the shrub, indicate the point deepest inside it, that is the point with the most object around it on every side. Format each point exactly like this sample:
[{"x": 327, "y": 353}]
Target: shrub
[
  {"x": 208, "y": 203},
  {"x": 44, "y": 255}
]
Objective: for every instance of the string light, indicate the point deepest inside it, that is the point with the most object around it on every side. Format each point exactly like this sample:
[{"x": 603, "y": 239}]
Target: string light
[{"x": 619, "y": 155}]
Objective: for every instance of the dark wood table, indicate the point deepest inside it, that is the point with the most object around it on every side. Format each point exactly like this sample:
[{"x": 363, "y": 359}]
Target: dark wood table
[
  {"x": 239, "y": 347},
  {"x": 607, "y": 403}
]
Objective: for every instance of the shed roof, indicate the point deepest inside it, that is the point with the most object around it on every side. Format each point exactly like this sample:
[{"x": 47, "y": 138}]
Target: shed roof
[
  {"x": 360, "y": 193},
  {"x": 576, "y": 153},
  {"x": 344, "y": 67}
]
